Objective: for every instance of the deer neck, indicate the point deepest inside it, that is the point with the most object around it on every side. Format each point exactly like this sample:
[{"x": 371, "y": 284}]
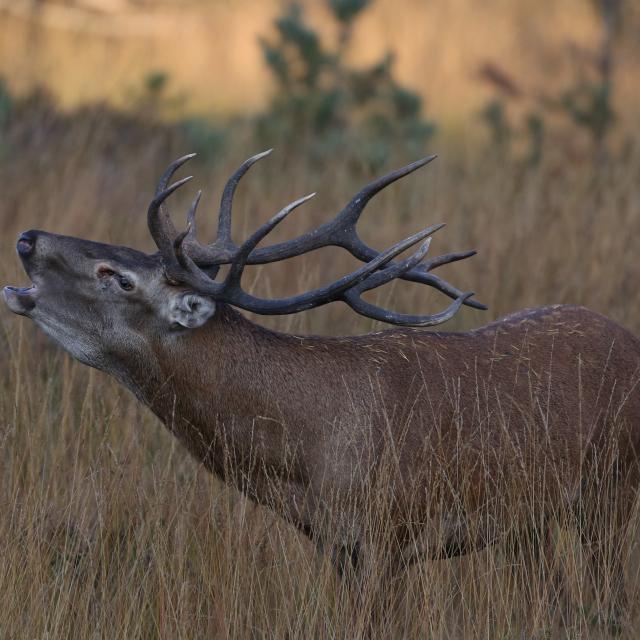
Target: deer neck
[
  {"x": 216, "y": 387},
  {"x": 201, "y": 366}
]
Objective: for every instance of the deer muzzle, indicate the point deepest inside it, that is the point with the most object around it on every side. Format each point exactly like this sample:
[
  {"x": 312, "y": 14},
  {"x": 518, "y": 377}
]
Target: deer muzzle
[
  {"x": 26, "y": 244},
  {"x": 21, "y": 299}
]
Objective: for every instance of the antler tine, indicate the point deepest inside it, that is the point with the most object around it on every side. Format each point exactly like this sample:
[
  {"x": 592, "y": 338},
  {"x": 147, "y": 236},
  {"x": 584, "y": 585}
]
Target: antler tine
[
  {"x": 195, "y": 277},
  {"x": 170, "y": 170},
  {"x": 189, "y": 272},
  {"x": 395, "y": 270},
  {"x": 165, "y": 223},
  {"x": 226, "y": 202},
  {"x": 223, "y": 249},
  {"x": 160, "y": 226},
  {"x": 191, "y": 214},
  {"x": 384, "y": 315},
  {"x": 189, "y": 232},
  {"x": 417, "y": 275},
  {"x": 234, "y": 295},
  {"x": 446, "y": 258},
  {"x": 352, "y": 211},
  {"x": 240, "y": 261},
  {"x": 352, "y": 296},
  {"x": 420, "y": 275}
]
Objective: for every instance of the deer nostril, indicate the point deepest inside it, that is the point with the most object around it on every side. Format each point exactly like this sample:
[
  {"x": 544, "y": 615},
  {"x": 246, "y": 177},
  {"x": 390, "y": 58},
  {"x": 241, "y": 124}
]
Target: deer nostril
[{"x": 26, "y": 243}]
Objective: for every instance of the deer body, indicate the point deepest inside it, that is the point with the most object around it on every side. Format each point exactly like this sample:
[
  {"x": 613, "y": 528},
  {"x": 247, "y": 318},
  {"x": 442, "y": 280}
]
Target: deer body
[
  {"x": 442, "y": 425},
  {"x": 310, "y": 417}
]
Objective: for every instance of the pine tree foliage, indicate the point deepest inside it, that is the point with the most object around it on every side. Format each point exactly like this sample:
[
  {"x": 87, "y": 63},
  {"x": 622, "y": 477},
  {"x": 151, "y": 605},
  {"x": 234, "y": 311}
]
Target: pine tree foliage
[{"x": 319, "y": 96}]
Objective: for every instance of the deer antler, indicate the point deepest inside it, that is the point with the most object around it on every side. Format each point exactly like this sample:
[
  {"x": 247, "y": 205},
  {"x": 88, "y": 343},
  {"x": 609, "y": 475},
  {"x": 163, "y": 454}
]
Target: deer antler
[{"x": 196, "y": 265}]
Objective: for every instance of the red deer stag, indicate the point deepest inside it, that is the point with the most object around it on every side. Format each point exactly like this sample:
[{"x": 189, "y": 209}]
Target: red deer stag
[{"x": 303, "y": 423}]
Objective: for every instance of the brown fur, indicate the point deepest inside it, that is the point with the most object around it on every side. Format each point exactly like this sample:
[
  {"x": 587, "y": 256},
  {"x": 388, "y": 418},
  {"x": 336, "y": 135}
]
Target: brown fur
[
  {"x": 449, "y": 435},
  {"x": 317, "y": 414}
]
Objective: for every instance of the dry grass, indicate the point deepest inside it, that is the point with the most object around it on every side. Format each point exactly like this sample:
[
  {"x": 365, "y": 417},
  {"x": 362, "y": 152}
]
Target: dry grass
[{"x": 110, "y": 530}]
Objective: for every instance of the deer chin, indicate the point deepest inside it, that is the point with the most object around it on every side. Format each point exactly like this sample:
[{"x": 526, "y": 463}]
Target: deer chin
[{"x": 20, "y": 300}]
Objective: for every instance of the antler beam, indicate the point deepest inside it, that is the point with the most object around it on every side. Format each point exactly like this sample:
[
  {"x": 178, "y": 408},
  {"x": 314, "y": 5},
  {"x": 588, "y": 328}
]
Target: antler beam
[{"x": 196, "y": 265}]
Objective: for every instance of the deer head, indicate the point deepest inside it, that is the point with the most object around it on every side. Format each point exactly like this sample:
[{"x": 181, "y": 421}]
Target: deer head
[{"x": 102, "y": 301}]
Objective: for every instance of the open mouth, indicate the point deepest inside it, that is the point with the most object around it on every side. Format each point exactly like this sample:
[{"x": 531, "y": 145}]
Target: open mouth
[
  {"x": 20, "y": 299},
  {"x": 22, "y": 291}
]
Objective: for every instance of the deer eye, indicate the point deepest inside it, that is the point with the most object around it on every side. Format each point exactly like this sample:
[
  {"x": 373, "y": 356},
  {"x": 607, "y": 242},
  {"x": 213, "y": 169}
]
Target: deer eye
[
  {"x": 105, "y": 273},
  {"x": 125, "y": 283}
]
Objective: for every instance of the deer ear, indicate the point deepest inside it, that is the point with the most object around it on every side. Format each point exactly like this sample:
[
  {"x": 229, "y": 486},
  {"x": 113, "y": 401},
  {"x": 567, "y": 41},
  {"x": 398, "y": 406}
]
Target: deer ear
[{"x": 191, "y": 310}]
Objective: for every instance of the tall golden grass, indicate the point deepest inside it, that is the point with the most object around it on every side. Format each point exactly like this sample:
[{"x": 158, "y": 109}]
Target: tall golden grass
[{"x": 109, "y": 529}]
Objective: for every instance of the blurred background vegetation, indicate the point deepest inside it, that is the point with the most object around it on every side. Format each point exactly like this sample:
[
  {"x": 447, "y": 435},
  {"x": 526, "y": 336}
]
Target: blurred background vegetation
[
  {"x": 532, "y": 106},
  {"x": 534, "y": 109},
  {"x": 389, "y": 75}
]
